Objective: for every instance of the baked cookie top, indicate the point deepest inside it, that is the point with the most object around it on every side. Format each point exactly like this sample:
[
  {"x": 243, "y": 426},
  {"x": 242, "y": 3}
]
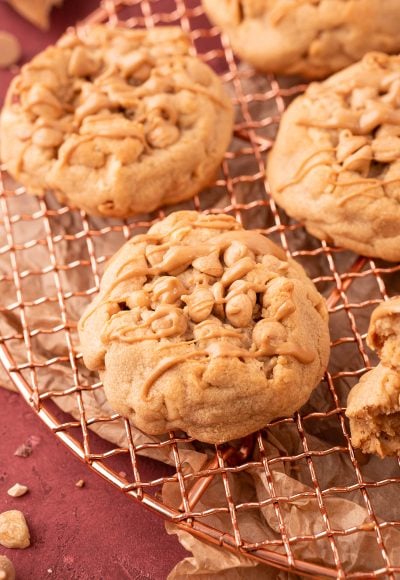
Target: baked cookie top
[
  {"x": 313, "y": 38},
  {"x": 116, "y": 121},
  {"x": 203, "y": 326},
  {"x": 335, "y": 164}
]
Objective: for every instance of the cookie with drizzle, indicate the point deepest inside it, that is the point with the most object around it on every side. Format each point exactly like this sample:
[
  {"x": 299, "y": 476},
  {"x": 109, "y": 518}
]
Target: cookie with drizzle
[{"x": 203, "y": 326}]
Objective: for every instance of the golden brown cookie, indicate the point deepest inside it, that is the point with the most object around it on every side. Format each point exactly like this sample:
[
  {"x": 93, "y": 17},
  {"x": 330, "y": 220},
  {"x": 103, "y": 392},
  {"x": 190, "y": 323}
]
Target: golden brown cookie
[
  {"x": 373, "y": 407},
  {"x": 336, "y": 161},
  {"x": 203, "y": 326},
  {"x": 312, "y": 38},
  {"x": 116, "y": 121}
]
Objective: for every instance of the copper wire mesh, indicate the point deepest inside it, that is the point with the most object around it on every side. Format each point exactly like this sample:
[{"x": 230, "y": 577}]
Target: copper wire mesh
[{"x": 241, "y": 182}]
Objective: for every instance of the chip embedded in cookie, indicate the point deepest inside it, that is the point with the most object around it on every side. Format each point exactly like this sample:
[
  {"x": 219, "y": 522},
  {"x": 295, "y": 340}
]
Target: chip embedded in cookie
[
  {"x": 116, "y": 121},
  {"x": 335, "y": 164},
  {"x": 203, "y": 326},
  {"x": 312, "y": 38}
]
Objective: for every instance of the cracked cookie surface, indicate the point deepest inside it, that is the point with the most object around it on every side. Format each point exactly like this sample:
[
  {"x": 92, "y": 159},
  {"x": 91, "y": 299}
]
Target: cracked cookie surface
[
  {"x": 335, "y": 164},
  {"x": 312, "y": 38},
  {"x": 116, "y": 121},
  {"x": 203, "y": 326}
]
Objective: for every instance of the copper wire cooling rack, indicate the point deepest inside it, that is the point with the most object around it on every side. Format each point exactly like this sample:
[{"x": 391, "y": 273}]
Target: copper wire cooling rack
[{"x": 351, "y": 284}]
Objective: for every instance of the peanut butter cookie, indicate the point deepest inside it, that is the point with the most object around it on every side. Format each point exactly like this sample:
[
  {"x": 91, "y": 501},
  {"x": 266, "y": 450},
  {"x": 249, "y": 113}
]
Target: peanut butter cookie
[
  {"x": 203, "y": 326},
  {"x": 312, "y": 38},
  {"x": 116, "y": 121},
  {"x": 336, "y": 160},
  {"x": 373, "y": 405}
]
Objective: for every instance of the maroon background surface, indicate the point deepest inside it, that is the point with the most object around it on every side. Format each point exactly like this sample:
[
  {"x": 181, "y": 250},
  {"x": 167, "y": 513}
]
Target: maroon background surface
[
  {"x": 89, "y": 533},
  {"x": 93, "y": 533}
]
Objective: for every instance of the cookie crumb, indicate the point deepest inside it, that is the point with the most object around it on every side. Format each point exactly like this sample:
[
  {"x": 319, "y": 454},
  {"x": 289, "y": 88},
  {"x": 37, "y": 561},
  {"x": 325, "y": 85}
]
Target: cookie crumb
[
  {"x": 17, "y": 490},
  {"x": 80, "y": 483},
  {"x": 7, "y": 570},
  {"x": 49, "y": 571},
  {"x": 25, "y": 450},
  {"x": 14, "y": 531},
  {"x": 367, "y": 527}
]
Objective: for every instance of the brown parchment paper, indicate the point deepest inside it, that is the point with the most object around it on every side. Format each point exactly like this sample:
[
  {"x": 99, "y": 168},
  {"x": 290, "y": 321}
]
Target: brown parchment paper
[{"x": 69, "y": 253}]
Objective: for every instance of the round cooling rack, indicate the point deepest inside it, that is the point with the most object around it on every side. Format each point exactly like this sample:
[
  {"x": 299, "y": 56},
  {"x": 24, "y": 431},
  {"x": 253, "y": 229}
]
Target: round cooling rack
[{"x": 295, "y": 495}]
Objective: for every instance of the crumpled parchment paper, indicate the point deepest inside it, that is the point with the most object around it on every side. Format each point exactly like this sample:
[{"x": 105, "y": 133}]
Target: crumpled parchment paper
[{"x": 60, "y": 266}]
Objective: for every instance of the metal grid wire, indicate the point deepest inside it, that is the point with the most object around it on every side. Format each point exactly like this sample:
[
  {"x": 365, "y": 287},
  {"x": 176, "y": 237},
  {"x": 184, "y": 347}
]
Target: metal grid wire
[{"x": 343, "y": 281}]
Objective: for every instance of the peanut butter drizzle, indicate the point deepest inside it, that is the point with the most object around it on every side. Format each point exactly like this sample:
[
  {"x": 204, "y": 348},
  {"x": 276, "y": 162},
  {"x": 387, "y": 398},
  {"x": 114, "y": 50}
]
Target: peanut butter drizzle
[
  {"x": 202, "y": 91},
  {"x": 372, "y": 183},
  {"x": 174, "y": 316},
  {"x": 353, "y": 120},
  {"x": 302, "y": 170},
  {"x": 180, "y": 344},
  {"x": 227, "y": 350},
  {"x": 367, "y": 191},
  {"x": 221, "y": 334},
  {"x": 217, "y": 224},
  {"x": 71, "y": 147},
  {"x": 164, "y": 366}
]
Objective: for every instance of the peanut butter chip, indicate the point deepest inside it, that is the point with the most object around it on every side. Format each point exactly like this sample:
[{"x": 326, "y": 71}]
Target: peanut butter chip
[
  {"x": 17, "y": 490},
  {"x": 200, "y": 304},
  {"x": 7, "y": 570},
  {"x": 14, "y": 532},
  {"x": 10, "y": 49},
  {"x": 239, "y": 310}
]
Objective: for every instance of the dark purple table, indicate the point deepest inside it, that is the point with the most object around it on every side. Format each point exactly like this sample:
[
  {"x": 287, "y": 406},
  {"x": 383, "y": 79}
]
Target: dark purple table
[{"x": 93, "y": 533}]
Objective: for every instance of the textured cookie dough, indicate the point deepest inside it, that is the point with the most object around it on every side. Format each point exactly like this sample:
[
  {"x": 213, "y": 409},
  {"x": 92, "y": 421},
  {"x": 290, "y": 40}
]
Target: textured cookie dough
[
  {"x": 373, "y": 405},
  {"x": 336, "y": 161},
  {"x": 203, "y": 326},
  {"x": 116, "y": 121},
  {"x": 312, "y": 38},
  {"x": 384, "y": 332}
]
